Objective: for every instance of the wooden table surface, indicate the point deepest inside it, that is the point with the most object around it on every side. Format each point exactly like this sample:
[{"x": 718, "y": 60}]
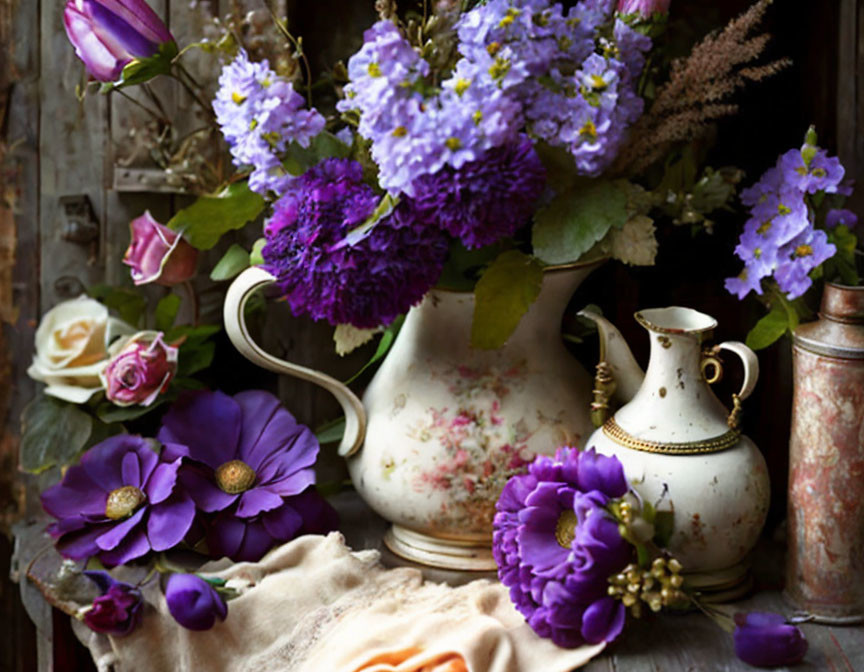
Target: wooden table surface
[{"x": 669, "y": 642}]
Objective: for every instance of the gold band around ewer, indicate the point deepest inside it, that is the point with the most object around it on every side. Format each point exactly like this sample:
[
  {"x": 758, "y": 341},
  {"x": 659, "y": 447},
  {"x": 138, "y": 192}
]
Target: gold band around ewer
[{"x": 715, "y": 445}]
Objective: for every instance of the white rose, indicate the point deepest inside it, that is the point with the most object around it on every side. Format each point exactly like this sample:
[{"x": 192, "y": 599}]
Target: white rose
[{"x": 72, "y": 348}]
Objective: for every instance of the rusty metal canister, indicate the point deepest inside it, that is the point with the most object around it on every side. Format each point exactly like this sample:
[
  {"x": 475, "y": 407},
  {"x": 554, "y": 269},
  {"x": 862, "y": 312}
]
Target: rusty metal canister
[{"x": 825, "y": 562}]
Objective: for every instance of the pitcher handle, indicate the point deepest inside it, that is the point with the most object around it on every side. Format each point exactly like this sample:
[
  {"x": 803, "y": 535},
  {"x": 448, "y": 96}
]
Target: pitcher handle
[
  {"x": 241, "y": 289},
  {"x": 751, "y": 375}
]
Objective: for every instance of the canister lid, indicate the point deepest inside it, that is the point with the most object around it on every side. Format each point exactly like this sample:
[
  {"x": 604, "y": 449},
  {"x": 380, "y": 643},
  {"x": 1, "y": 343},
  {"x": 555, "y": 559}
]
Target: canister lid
[{"x": 840, "y": 330}]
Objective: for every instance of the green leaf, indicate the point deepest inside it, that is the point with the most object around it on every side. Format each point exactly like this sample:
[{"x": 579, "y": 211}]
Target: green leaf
[
  {"x": 53, "y": 432},
  {"x": 325, "y": 145},
  {"x": 236, "y": 259},
  {"x": 463, "y": 266},
  {"x": 385, "y": 206},
  {"x": 575, "y": 220},
  {"x": 141, "y": 70},
  {"x": 843, "y": 265},
  {"x": 256, "y": 256},
  {"x": 109, "y": 413},
  {"x": 331, "y": 432},
  {"x": 127, "y": 303},
  {"x": 195, "y": 359},
  {"x": 193, "y": 336},
  {"x": 210, "y": 217},
  {"x": 166, "y": 312},
  {"x": 664, "y": 526},
  {"x": 503, "y": 295},
  {"x": 384, "y": 344},
  {"x": 770, "y": 328}
]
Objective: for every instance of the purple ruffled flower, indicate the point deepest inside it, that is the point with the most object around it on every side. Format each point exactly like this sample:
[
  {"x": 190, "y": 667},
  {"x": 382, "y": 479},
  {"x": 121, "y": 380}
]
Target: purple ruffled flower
[
  {"x": 838, "y": 217},
  {"x": 260, "y": 114},
  {"x": 779, "y": 240},
  {"x": 556, "y": 546},
  {"x": 250, "y": 464},
  {"x": 119, "y": 503},
  {"x": 765, "y": 639},
  {"x": 193, "y": 602},
  {"x": 367, "y": 282},
  {"x": 487, "y": 199},
  {"x": 117, "y": 610}
]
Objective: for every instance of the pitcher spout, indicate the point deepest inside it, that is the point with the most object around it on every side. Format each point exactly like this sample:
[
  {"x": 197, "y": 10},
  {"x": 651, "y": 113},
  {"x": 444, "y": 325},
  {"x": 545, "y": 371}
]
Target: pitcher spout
[{"x": 617, "y": 359}]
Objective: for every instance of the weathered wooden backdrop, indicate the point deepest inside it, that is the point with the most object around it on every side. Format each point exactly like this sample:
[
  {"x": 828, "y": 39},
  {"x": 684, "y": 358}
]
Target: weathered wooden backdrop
[{"x": 52, "y": 146}]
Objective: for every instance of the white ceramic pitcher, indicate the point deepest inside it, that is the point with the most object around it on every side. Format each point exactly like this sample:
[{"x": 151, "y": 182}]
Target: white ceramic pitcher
[
  {"x": 682, "y": 449},
  {"x": 443, "y": 426}
]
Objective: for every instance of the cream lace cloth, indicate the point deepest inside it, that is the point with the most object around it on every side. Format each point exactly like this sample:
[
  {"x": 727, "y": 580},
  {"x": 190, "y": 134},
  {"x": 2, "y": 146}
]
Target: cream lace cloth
[{"x": 313, "y": 605}]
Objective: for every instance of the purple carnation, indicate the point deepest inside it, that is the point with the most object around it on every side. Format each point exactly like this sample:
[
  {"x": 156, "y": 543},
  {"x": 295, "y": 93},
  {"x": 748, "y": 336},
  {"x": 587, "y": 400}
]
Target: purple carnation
[
  {"x": 487, "y": 199},
  {"x": 365, "y": 282},
  {"x": 556, "y": 546},
  {"x": 250, "y": 464},
  {"x": 119, "y": 503}
]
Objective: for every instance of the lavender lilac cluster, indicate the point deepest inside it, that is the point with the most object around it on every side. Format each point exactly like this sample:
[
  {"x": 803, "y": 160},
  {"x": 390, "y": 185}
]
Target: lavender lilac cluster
[
  {"x": 780, "y": 239},
  {"x": 260, "y": 115},
  {"x": 321, "y": 272},
  {"x": 556, "y": 546},
  {"x": 236, "y": 471}
]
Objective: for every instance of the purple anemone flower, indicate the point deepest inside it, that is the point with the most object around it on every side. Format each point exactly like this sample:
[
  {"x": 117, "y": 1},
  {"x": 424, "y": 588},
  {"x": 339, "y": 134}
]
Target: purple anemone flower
[
  {"x": 117, "y": 609},
  {"x": 556, "y": 546},
  {"x": 119, "y": 503},
  {"x": 765, "y": 639},
  {"x": 250, "y": 464}
]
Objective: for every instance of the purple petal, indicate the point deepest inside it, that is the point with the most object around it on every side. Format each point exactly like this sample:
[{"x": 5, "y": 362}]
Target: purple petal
[
  {"x": 139, "y": 14},
  {"x": 131, "y": 470},
  {"x": 104, "y": 461},
  {"x": 318, "y": 516},
  {"x": 100, "y": 62},
  {"x": 515, "y": 491},
  {"x": 121, "y": 37},
  {"x": 112, "y": 538},
  {"x": 290, "y": 484},
  {"x": 599, "y": 472},
  {"x": 134, "y": 546},
  {"x": 253, "y": 502},
  {"x": 603, "y": 621},
  {"x": 208, "y": 496},
  {"x": 536, "y": 535},
  {"x": 81, "y": 544},
  {"x": 101, "y": 578},
  {"x": 256, "y": 542},
  {"x": 170, "y": 521},
  {"x": 208, "y": 423},
  {"x": 769, "y": 644},
  {"x": 193, "y": 603},
  {"x": 283, "y": 523},
  {"x": 161, "y": 482},
  {"x": 225, "y": 536},
  {"x": 77, "y": 493}
]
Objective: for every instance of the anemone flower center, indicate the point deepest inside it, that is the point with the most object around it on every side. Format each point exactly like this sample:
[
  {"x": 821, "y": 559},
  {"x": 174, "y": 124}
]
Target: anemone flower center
[
  {"x": 122, "y": 502},
  {"x": 565, "y": 529},
  {"x": 235, "y": 477}
]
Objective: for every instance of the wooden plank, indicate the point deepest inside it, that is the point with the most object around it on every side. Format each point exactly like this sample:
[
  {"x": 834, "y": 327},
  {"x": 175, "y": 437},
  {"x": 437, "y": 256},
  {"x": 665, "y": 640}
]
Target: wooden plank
[{"x": 850, "y": 75}]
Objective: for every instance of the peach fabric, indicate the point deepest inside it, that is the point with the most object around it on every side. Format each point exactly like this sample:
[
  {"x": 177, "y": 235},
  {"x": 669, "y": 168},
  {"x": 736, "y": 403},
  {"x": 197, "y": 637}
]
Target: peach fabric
[{"x": 316, "y": 606}]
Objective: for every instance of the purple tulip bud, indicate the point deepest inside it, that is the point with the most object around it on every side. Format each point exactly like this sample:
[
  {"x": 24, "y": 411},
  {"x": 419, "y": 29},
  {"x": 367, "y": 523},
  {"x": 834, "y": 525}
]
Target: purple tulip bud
[
  {"x": 646, "y": 8},
  {"x": 117, "y": 610},
  {"x": 765, "y": 639},
  {"x": 193, "y": 602},
  {"x": 109, "y": 34},
  {"x": 141, "y": 370},
  {"x": 158, "y": 254},
  {"x": 845, "y": 217}
]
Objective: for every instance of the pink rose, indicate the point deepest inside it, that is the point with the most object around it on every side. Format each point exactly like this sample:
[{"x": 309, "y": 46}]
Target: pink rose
[
  {"x": 158, "y": 254},
  {"x": 140, "y": 369},
  {"x": 646, "y": 8}
]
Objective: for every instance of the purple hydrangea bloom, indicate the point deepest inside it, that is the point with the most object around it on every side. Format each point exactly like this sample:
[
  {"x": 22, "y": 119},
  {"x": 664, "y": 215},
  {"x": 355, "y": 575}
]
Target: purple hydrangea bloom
[
  {"x": 260, "y": 114},
  {"x": 779, "y": 240},
  {"x": 119, "y": 503},
  {"x": 249, "y": 463},
  {"x": 365, "y": 282},
  {"x": 117, "y": 609},
  {"x": 556, "y": 546},
  {"x": 839, "y": 217},
  {"x": 193, "y": 602},
  {"x": 765, "y": 639},
  {"x": 487, "y": 199}
]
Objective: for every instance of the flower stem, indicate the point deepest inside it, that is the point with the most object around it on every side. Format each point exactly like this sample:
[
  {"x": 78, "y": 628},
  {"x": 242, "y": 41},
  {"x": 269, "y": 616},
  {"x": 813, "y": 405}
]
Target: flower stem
[
  {"x": 152, "y": 113},
  {"x": 193, "y": 297},
  {"x": 182, "y": 76}
]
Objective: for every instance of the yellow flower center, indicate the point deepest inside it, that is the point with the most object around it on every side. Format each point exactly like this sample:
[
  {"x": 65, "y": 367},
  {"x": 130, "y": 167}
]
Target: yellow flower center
[
  {"x": 461, "y": 86},
  {"x": 757, "y": 252},
  {"x": 598, "y": 83},
  {"x": 589, "y": 130},
  {"x": 565, "y": 529},
  {"x": 374, "y": 70},
  {"x": 783, "y": 209},
  {"x": 499, "y": 68},
  {"x": 477, "y": 117},
  {"x": 803, "y": 251},
  {"x": 238, "y": 98},
  {"x": 819, "y": 172},
  {"x": 122, "y": 502},
  {"x": 764, "y": 228},
  {"x": 453, "y": 144},
  {"x": 512, "y": 13},
  {"x": 493, "y": 48},
  {"x": 235, "y": 477},
  {"x": 400, "y": 132}
]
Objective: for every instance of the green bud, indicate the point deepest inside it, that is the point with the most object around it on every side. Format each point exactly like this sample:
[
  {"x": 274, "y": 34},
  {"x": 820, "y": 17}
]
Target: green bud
[{"x": 811, "y": 138}]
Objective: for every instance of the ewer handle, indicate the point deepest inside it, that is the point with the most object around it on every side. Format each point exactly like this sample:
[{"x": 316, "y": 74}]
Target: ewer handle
[
  {"x": 239, "y": 292},
  {"x": 751, "y": 374}
]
